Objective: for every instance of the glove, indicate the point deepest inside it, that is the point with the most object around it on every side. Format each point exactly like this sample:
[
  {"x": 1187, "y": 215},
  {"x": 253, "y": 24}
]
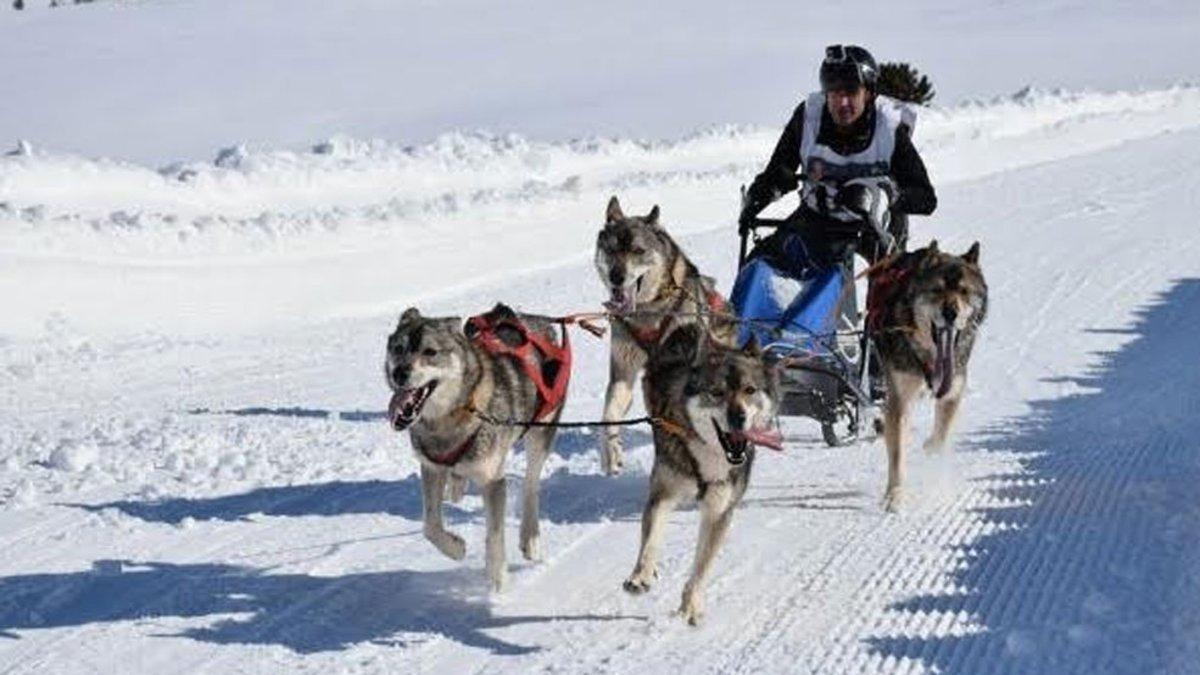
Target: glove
[
  {"x": 859, "y": 199},
  {"x": 871, "y": 199}
]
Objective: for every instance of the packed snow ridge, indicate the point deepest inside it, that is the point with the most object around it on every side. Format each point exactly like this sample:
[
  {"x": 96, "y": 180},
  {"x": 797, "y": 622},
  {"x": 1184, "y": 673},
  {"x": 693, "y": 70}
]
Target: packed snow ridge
[{"x": 63, "y": 201}]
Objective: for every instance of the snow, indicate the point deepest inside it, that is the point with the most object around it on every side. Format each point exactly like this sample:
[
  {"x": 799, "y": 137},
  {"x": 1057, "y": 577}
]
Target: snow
[
  {"x": 162, "y": 80},
  {"x": 195, "y": 475}
]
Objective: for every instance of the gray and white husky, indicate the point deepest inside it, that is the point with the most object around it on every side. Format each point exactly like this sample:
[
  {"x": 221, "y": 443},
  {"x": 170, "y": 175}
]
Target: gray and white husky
[
  {"x": 439, "y": 379},
  {"x": 713, "y": 403},
  {"x": 653, "y": 290},
  {"x": 926, "y": 333}
]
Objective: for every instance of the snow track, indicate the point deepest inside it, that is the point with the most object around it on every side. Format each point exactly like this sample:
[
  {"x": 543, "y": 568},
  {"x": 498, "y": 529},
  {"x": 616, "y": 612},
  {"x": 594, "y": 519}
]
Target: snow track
[{"x": 236, "y": 506}]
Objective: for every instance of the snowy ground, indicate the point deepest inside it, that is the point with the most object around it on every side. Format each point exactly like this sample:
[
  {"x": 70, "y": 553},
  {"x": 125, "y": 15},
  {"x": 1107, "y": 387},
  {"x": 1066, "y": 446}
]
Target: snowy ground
[{"x": 195, "y": 477}]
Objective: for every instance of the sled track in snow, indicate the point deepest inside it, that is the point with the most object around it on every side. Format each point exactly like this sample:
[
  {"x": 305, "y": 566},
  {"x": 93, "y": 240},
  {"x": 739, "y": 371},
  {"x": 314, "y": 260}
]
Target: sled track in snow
[{"x": 1059, "y": 541}]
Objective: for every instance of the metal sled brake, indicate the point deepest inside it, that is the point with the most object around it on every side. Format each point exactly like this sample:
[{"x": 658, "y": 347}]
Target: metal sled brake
[{"x": 813, "y": 329}]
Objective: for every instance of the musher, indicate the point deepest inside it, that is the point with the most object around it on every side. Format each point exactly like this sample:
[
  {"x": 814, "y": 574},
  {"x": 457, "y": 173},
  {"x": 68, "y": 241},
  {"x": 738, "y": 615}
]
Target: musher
[{"x": 859, "y": 163}]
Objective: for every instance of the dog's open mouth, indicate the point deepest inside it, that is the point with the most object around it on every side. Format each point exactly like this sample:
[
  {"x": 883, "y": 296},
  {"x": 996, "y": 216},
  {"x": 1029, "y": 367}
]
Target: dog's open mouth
[
  {"x": 623, "y": 299},
  {"x": 406, "y": 405},
  {"x": 736, "y": 442},
  {"x": 942, "y": 375}
]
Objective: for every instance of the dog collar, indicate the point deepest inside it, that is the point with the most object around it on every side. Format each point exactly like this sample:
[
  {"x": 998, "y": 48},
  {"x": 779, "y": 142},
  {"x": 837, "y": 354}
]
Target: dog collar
[{"x": 451, "y": 458}]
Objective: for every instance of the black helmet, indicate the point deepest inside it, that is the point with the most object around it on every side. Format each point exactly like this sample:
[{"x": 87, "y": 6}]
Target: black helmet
[{"x": 848, "y": 67}]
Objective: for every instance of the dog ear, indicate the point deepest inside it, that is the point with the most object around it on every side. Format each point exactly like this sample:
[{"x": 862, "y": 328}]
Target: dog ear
[
  {"x": 930, "y": 255},
  {"x": 410, "y": 314},
  {"x": 502, "y": 310},
  {"x": 652, "y": 217},
  {"x": 972, "y": 254},
  {"x": 614, "y": 213}
]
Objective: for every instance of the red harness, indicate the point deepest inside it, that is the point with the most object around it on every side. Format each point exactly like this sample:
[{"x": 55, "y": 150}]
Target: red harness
[
  {"x": 533, "y": 344},
  {"x": 647, "y": 337}
]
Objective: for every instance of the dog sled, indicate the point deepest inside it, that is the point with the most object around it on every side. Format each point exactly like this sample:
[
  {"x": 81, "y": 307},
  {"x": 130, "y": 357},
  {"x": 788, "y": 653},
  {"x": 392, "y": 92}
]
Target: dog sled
[{"x": 813, "y": 328}]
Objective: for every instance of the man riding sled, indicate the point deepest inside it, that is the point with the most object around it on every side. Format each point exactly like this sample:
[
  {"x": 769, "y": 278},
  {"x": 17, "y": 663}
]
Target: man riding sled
[
  {"x": 853, "y": 151},
  {"x": 849, "y": 151}
]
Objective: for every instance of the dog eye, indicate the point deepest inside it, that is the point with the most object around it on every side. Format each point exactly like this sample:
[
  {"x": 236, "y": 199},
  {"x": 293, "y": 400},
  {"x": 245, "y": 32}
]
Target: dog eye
[
  {"x": 749, "y": 390},
  {"x": 637, "y": 250},
  {"x": 716, "y": 392},
  {"x": 428, "y": 352}
]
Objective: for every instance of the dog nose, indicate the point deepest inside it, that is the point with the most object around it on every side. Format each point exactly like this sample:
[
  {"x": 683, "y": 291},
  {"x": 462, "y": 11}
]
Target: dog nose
[
  {"x": 400, "y": 374},
  {"x": 737, "y": 417},
  {"x": 616, "y": 277},
  {"x": 950, "y": 313}
]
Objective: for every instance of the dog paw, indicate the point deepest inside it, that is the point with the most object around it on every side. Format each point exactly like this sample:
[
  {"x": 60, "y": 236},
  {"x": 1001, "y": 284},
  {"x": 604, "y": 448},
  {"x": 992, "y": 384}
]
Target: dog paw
[
  {"x": 639, "y": 582},
  {"x": 456, "y": 487},
  {"x": 691, "y": 609},
  {"x": 635, "y": 586},
  {"x": 612, "y": 462},
  {"x": 498, "y": 578},
  {"x": 893, "y": 499},
  {"x": 934, "y": 445},
  {"x": 531, "y": 547},
  {"x": 451, "y": 545}
]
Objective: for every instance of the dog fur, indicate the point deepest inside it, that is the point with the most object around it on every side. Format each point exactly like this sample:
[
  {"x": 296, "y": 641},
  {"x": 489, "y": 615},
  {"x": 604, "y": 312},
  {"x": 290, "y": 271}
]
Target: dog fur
[
  {"x": 719, "y": 401},
  {"x": 438, "y": 375},
  {"x": 926, "y": 335},
  {"x": 647, "y": 275}
]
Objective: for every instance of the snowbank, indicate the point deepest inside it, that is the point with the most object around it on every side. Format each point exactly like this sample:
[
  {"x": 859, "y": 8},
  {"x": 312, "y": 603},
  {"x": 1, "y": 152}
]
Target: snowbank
[{"x": 54, "y": 200}]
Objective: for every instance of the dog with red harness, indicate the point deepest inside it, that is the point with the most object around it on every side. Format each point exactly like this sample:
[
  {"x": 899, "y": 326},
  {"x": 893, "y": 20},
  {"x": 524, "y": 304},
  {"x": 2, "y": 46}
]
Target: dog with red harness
[{"x": 466, "y": 392}]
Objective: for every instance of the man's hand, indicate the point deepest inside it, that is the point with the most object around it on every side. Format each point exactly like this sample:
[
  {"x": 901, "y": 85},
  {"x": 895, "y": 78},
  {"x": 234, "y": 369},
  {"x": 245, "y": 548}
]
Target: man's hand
[
  {"x": 865, "y": 197},
  {"x": 871, "y": 199}
]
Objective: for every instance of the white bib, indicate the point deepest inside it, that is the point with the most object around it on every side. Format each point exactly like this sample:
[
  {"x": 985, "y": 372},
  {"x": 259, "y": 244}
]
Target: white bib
[{"x": 824, "y": 167}]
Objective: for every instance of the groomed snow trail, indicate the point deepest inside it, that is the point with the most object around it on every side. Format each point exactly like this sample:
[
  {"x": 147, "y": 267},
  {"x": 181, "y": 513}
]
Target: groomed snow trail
[{"x": 222, "y": 503}]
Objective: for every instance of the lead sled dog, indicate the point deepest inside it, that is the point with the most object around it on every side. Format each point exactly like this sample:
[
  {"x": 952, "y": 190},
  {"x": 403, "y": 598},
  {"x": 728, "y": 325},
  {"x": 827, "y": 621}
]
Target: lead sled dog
[{"x": 443, "y": 385}]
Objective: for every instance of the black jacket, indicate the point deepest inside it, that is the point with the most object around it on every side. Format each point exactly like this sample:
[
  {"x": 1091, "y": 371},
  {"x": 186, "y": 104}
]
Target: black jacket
[{"x": 907, "y": 170}]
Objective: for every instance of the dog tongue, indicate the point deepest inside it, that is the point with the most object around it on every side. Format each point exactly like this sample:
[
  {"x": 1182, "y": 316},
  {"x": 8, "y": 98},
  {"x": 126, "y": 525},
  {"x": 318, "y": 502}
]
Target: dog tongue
[
  {"x": 620, "y": 303},
  {"x": 768, "y": 438},
  {"x": 943, "y": 370}
]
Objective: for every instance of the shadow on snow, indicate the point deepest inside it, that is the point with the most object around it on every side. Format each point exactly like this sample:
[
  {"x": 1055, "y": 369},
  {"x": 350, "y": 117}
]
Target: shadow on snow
[
  {"x": 565, "y": 498},
  {"x": 306, "y": 614}
]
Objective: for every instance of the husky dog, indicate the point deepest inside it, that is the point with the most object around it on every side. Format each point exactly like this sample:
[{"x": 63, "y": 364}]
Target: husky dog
[
  {"x": 443, "y": 385},
  {"x": 927, "y": 327},
  {"x": 654, "y": 289},
  {"x": 712, "y": 403}
]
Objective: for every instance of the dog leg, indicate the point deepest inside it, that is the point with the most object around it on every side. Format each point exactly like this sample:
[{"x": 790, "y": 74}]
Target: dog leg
[
  {"x": 944, "y": 413},
  {"x": 903, "y": 388},
  {"x": 714, "y": 524},
  {"x": 537, "y": 449},
  {"x": 616, "y": 403},
  {"x": 659, "y": 505},
  {"x": 456, "y": 487},
  {"x": 433, "y": 487},
  {"x": 494, "y": 497}
]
